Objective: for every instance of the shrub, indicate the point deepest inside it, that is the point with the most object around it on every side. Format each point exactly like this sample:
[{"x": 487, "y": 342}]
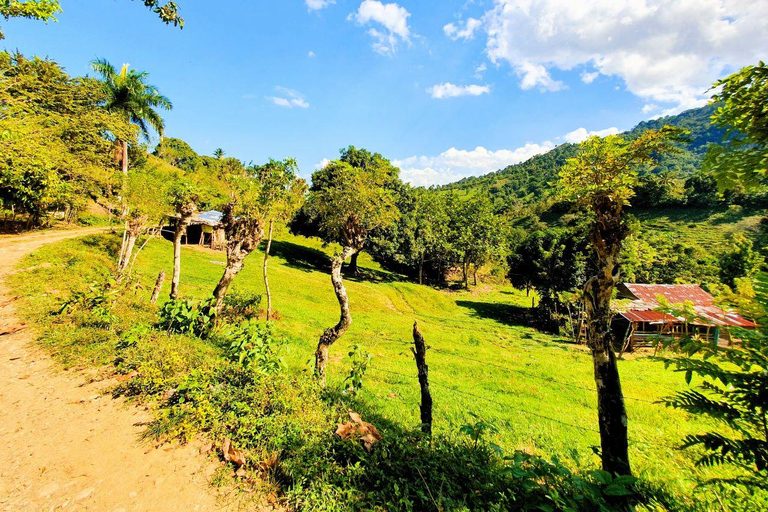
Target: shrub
[
  {"x": 181, "y": 316},
  {"x": 253, "y": 346},
  {"x": 241, "y": 304}
]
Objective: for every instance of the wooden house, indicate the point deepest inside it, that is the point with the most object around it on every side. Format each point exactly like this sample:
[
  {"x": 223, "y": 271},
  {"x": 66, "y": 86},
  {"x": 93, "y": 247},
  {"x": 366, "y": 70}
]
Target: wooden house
[
  {"x": 204, "y": 230},
  {"x": 639, "y": 324}
]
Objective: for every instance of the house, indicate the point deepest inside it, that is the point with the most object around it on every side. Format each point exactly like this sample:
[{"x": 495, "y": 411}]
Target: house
[
  {"x": 204, "y": 230},
  {"x": 639, "y": 324}
]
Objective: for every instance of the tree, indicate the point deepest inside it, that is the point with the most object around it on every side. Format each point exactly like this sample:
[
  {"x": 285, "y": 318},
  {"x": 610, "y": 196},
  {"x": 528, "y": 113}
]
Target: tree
[
  {"x": 218, "y": 153},
  {"x": 732, "y": 392},
  {"x": 551, "y": 263},
  {"x": 282, "y": 195},
  {"x": 601, "y": 179},
  {"x": 346, "y": 202},
  {"x": 475, "y": 233},
  {"x": 55, "y": 147},
  {"x": 129, "y": 96},
  {"x": 742, "y": 160},
  {"x": 243, "y": 223},
  {"x": 45, "y": 10},
  {"x": 184, "y": 198},
  {"x": 741, "y": 261},
  {"x": 430, "y": 228}
]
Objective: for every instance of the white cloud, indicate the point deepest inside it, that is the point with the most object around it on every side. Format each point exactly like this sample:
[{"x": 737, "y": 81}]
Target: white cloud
[
  {"x": 316, "y": 5},
  {"x": 288, "y": 98},
  {"x": 449, "y": 90},
  {"x": 322, "y": 164},
  {"x": 665, "y": 52},
  {"x": 468, "y": 32},
  {"x": 311, "y": 54},
  {"x": 455, "y": 164},
  {"x": 581, "y": 134},
  {"x": 536, "y": 75},
  {"x": 392, "y": 17},
  {"x": 589, "y": 77}
]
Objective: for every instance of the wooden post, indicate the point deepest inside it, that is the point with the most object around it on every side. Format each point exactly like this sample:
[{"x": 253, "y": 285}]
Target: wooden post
[
  {"x": 420, "y": 352},
  {"x": 158, "y": 285}
]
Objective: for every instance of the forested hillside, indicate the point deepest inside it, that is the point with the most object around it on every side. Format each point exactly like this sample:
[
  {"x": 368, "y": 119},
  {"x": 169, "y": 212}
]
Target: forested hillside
[{"x": 530, "y": 181}]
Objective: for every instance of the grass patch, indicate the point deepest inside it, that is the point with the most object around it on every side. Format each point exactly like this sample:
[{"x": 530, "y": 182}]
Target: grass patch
[{"x": 485, "y": 365}]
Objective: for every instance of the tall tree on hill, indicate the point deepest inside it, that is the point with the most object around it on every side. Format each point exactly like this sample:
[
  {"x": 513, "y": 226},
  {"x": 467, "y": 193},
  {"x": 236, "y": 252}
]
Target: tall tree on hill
[
  {"x": 601, "y": 179},
  {"x": 282, "y": 195},
  {"x": 184, "y": 198},
  {"x": 742, "y": 161},
  {"x": 476, "y": 233},
  {"x": 347, "y": 200},
  {"x": 129, "y": 96}
]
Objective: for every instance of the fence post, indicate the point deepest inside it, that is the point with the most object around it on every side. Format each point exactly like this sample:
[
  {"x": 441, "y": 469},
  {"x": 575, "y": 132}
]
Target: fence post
[
  {"x": 158, "y": 285},
  {"x": 420, "y": 353}
]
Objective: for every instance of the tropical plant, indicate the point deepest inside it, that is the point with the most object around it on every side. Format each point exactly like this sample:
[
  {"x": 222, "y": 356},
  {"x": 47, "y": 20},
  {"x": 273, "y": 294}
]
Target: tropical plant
[
  {"x": 253, "y": 346},
  {"x": 731, "y": 389}
]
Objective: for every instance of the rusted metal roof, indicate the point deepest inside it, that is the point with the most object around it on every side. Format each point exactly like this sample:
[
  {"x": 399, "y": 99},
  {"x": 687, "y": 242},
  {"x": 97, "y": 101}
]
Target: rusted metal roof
[
  {"x": 645, "y": 301},
  {"x": 675, "y": 293}
]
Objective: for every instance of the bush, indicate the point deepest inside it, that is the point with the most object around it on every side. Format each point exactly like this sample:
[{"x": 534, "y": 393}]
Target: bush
[
  {"x": 181, "y": 316},
  {"x": 253, "y": 346},
  {"x": 238, "y": 305}
]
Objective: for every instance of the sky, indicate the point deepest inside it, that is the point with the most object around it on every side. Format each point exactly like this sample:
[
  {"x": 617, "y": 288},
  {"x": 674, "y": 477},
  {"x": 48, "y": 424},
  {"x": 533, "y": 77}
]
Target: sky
[{"x": 443, "y": 88}]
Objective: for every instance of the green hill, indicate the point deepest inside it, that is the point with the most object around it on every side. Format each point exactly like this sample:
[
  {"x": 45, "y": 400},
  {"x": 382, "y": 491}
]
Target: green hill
[{"x": 531, "y": 180}]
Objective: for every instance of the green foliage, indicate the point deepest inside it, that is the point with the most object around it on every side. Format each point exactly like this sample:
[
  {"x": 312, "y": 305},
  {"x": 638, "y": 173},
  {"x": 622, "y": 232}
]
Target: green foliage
[
  {"x": 253, "y": 346},
  {"x": 732, "y": 390},
  {"x": 241, "y": 304},
  {"x": 183, "y": 316},
  {"x": 740, "y": 261},
  {"x": 360, "y": 360},
  {"x": 43, "y": 10},
  {"x": 55, "y": 140},
  {"x": 743, "y": 160}
]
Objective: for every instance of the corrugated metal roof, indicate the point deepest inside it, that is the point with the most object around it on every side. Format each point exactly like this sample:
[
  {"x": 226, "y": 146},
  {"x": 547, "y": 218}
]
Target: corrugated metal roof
[
  {"x": 210, "y": 218},
  {"x": 675, "y": 293},
  {"x": 642, "y": 308}
]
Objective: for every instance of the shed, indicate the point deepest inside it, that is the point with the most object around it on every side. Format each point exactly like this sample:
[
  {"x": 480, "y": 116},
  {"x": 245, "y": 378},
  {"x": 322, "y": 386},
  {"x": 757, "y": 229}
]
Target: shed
[
  {"x": 205, "y": 229},
  {"x": 641, "y": 323}
]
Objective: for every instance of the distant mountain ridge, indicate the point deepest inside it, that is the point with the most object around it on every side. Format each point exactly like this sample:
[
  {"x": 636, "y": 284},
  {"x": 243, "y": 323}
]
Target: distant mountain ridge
[{"x": 531, "y": 179}]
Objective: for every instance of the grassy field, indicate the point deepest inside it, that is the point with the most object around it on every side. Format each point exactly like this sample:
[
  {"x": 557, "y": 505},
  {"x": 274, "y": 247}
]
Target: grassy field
[{"x": 537, "y": 390}]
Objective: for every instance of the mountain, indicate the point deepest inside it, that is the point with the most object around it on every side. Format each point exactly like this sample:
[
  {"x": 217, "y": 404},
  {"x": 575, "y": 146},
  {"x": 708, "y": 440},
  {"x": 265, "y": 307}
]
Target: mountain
[{"x": 531, "y": 180}]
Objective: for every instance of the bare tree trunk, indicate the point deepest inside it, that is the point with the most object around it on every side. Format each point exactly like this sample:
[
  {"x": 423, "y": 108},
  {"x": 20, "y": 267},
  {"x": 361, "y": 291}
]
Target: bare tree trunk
[
  {"x": 420, "y": 353},
  {"x": 474, "y": 272},
  {"x": 135, "y": 227},
  {"x": 266, "y": 280},
  {"x": 606, "y": 236},
  {"x": 465, "y": 271},
  {"x": 158, "y": 285},
  {"x": 421, "y": 268},
  {"x": 353, "y": 269},
  {"x": 243, "y": 236},
  {"x": 332, "y": 334},
  {"x": 185, "y": 218}
]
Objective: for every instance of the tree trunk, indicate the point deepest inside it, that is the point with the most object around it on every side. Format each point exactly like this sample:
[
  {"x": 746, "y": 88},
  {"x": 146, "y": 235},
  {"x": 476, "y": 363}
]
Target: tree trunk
[
  {"x": 421, "y": 268},
  {"x": 266, "y": 280},
  {"x": 243, "y": 236},
  {"x": 607, "y": 234},
  {"x": 158, "y": 286},
  {"x": 185, "y": 218},
  {"x": 352, "y": 269},
  {"x": 474, "y": 273},
  {"x": 420, "y": 353},
  {"x": 332, "y": 334},
  {"x": 465, "y": 271}
]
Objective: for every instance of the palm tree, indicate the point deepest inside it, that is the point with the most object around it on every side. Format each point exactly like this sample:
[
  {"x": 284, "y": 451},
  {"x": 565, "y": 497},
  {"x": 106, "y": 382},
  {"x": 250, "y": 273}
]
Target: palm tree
[
  {"x": 130, "y": 96},
  {"x": 218, "y": 154}
]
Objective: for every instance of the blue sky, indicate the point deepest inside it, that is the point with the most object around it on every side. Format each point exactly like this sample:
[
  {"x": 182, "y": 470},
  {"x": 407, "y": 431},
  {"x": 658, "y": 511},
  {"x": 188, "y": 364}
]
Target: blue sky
[{"x": 444, "y": 88}]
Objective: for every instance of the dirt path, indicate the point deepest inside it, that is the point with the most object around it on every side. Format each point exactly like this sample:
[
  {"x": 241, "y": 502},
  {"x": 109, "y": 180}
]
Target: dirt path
[{"x": 63, "y": 445}]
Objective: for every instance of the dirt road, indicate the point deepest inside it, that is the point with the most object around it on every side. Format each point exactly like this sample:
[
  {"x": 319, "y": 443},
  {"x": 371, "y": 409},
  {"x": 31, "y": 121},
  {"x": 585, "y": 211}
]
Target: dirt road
[{"x": 63, "y": 445}]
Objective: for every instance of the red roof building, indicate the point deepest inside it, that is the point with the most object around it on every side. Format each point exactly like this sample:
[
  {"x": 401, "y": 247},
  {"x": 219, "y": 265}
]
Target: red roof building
[{"x": 646, "y": 324}]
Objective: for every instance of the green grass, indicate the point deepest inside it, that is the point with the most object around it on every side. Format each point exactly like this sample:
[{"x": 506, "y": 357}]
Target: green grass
[{"x": 536, "y": 389}]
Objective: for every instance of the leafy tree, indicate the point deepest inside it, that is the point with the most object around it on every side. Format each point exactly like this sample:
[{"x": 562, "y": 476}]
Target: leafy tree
[
  {"x": 601, "y": 180},
  {"x": 178, "y": 153},
  {"x": 551, "y": 263},
  {"x": 55, "y": 147},
  {"x": 45, "y": 10},
  {"x": 129, "y": 96},
  {"x": 184, "y": 197},
  {"x": 476, "y": 233},
  {"x": 347, "y": 200},
  {"x": 701, "y": 190},
  {"x": 429, "y": 224},
  {"x": 243, "y": 222},
  {"x": 732, "y": 391},
  {"x": 743, "y": 159},
  {"x": 218, "y": 153},
  {"x": 741, "y": 261},
  {"x": 282, "y": 195}
]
